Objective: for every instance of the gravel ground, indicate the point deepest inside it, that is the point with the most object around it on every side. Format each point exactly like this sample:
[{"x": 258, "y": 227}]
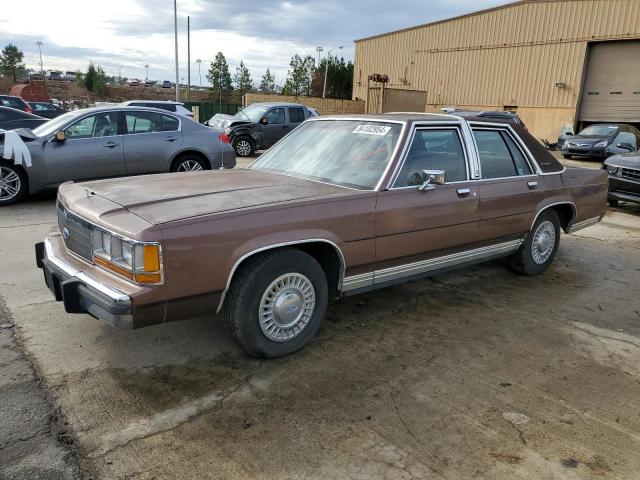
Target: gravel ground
[{"x": 478, "y": 373}]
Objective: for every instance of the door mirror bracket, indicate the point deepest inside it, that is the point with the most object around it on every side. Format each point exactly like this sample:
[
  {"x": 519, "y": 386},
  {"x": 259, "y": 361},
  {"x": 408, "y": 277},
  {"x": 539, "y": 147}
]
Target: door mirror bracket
[
  {"x": 264, "y": 121},
  {"x": 431, "y": 178},
  {"x": 60, "y": 136}
]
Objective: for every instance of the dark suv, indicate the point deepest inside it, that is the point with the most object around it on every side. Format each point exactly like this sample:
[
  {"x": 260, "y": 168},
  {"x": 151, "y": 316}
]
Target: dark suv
[
  {"x": 12, "y": 101},
  {"x": 260, "y": 125}
]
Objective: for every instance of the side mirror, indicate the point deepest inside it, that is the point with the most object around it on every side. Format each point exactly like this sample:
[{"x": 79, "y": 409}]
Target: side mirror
[
  {"x": 626, "y": 146},
  {"x": 430, "y": 178},
  {"x": 60, "y": 136},
  {"x": 264, "y": 121}
]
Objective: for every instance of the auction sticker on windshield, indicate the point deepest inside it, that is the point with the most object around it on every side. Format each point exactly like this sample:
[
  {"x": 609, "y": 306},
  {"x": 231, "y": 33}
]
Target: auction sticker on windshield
[{"x": 372, "y": 130}]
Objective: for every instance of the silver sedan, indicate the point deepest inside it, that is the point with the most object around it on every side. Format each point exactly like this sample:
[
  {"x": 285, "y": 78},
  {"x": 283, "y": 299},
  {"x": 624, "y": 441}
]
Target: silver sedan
[{"x": 106, "y": 142}]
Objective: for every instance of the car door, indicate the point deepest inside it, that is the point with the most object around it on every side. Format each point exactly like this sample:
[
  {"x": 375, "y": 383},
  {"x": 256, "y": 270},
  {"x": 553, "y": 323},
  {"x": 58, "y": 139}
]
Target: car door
[
  {"x": 414, "y": 225},
  {"x": 276, "y": 126},
  {"x": 509, "y": 187},
  {"x": 92, "y": 149},
  {"x": 151, "y": 141}
]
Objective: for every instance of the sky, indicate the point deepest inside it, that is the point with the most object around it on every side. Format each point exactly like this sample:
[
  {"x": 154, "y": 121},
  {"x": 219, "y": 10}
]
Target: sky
[{"x": 123, "y": 36}]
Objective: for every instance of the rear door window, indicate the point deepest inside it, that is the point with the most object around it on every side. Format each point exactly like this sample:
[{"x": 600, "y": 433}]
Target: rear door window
[
  {"x": 143, "y": 122},
  {"x": 169, "y": 124},
  {"x": 499, "y": 155},
  {"x": 296, "y": 115}
]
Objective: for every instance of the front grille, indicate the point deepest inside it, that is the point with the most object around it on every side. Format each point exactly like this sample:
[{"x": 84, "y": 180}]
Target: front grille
[
  {"x": 631, "y": 174},
  {"x": 76, "y": 233}
]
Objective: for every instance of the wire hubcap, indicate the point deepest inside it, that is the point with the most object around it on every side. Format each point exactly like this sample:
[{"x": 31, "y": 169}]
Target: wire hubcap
[
  {"x": 189, "y": 166},
  {"x": 286, "y": 307},
  {"x": 544, "y": 240},
  {"x": 9, "y": 184}
]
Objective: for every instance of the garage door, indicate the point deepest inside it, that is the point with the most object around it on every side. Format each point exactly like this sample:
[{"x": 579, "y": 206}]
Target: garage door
[{"x": 612, "y": 83}]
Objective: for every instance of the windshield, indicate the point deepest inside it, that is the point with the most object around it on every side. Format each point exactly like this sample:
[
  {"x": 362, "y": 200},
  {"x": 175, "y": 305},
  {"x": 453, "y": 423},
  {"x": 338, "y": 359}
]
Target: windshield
[
  {"x": 253, "y": 112},
  {"x": 599, "y": 130},
  {"x": 54, "y": 125},
  {"x": 349, "y": 153}
]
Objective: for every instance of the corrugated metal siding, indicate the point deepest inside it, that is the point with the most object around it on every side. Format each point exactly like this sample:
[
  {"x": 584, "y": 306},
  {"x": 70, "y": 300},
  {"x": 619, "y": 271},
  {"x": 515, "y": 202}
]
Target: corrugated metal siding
[{"x": 511, "y": 55}]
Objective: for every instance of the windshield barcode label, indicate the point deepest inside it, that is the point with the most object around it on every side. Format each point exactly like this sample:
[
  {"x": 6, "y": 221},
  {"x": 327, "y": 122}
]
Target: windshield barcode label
[{"x": 372, "y": 129}]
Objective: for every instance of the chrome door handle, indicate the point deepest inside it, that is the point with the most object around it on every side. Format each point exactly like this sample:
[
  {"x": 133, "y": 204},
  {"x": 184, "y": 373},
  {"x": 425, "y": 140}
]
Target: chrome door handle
[
  {"x": 111, "y": 144},
  {"x": 463, "y": 192},
  {"x": 532, "y": 185}
]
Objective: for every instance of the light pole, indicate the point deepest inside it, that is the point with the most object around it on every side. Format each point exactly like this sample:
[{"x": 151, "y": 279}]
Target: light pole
[
  {"x": 220, "y": 87},
  {"x": 326, "y": 70},
  {"x": 175, "y": 31},
  {"x": 320, "y": 50},
  {"x": 147, "y": 67},
  {"x": 39, "y": 44},
  {"x": 198, "y": 61}
]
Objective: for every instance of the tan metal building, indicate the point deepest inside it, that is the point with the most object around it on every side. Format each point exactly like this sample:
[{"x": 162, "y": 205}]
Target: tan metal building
[{"x": 552, "y": 61}]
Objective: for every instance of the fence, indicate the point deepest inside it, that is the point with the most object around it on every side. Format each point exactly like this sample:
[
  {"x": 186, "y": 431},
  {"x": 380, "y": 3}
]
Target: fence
[
  {"x": 203, "y": 111},
  {"x": 324, "y": 106}
]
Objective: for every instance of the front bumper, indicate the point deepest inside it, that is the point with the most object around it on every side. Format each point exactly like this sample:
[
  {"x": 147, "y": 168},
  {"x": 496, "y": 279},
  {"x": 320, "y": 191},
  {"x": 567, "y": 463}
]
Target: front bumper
[
  {"x": 585, "y": 151},
  {"x": 81, "y": 293},
  {"x": 623, "y": 189}
]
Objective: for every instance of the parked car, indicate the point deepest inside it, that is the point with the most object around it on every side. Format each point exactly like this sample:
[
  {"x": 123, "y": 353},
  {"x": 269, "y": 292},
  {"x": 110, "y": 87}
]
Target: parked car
[
  {"x": 169, "y": 106},
  {"x": 10, "y": 118},
  {"x": 107, "y": 142},
  {"x": 602, "y": 140},
  {"x": 46, "y": 110},
  {"x": 70, "y": 76},
  {"x": 167, "y": 84},
  {"x": 52, "y": 75},
  {"x": 624, "y": 178},
  {"x": 12, "y": 101},
  {"x": 260, "y": 125},
  {"x": 343, "y": 205}
]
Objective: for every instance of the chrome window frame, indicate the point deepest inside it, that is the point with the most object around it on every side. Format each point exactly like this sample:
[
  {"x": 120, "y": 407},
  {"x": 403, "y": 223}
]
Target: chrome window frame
[{"x": 405, "y": 152}]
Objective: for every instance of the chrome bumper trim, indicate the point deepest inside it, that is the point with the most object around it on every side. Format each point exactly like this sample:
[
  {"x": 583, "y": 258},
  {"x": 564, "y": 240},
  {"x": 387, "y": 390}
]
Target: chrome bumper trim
[
  {"x": 584, "y": 224},
  {"x": 113, "y": 294}
]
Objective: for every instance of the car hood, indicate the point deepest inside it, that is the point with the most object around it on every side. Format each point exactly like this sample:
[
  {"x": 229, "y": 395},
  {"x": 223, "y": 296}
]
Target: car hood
[
  {"x": 176, "y": 196},
  {"x": 588, "y": 139},
  {"x": 222, "y": 121},
  {"x": 631, "y": 160}
]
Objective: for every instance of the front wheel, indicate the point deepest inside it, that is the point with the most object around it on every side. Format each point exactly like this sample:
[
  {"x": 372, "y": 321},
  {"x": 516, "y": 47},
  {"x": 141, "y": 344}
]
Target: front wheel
[
  {"x": 244, "y": 146},
  {"x": 13, "y": 183},
  {"x": 539, "y": 247},
  {"x": 276, "y": 303}
]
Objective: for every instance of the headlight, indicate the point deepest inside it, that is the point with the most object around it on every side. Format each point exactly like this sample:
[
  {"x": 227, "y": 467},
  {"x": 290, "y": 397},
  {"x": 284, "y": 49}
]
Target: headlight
[
  {"x": 612, "y": 169},
  {"x": 602, "y": 144},
  {"x": 140, "y": 262},
  {"x": 565, "y": 145}
]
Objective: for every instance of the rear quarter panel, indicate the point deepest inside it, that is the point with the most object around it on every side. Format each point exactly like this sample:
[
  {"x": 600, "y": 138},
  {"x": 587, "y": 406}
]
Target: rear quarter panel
[{"x": 588, "y": 188}]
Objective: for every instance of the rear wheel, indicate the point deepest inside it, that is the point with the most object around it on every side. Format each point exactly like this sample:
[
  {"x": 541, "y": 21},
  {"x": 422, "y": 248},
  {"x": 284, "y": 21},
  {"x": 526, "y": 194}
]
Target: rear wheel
[
  {"x": 188, "y": 163},
  {"x": 244, "y": 146},
  {"x": 14, "y": 183},
  {"x": 539, "y": 247},
  {"x": 276, "y": 303}
]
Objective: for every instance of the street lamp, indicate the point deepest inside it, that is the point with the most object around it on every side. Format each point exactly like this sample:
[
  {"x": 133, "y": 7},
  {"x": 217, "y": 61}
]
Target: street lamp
[
  {"x": 175, "y": 33},
  {"x": 320, "y": 50},
  {"x": 39, "y": 44},
  {"x": 147, "y": 67},
  {"x": 198, "y": 61},
  {"x": 326, "y": 69}
]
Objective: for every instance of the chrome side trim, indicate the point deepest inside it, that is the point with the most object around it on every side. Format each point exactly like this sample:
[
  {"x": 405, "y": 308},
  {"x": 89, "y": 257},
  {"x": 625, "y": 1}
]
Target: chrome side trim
[
  {"x": 388, "y": 274},
  {"x": 113, "y": 294},
  {"x": 584, "y": 224},
  {"x": 357, "y": 281},
  {"x": 277, "y": 245},
  {"x": 573, "y": 206}
]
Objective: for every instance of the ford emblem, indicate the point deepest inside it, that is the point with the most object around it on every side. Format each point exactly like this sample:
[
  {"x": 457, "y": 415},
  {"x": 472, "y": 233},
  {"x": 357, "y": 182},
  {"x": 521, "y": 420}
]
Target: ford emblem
[{"x": 65, "y": 233}]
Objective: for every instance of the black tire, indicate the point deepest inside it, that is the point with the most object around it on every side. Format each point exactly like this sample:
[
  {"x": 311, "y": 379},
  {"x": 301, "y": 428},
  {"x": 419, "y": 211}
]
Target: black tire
[
  {"x": 244, "y": 146},
  {"x": 188, "y": 163},
  {"x": 523, "y": 260},
  {"x": 613, "y": 203},
  {"x": 251, "y": 284},
  {"x": 17, "y": 185},
  {"x": 566, "y": 156}
]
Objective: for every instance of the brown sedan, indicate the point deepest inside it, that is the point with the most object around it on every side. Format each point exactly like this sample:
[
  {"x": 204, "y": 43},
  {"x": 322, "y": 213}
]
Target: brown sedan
[{"x": 340, "y": 206}]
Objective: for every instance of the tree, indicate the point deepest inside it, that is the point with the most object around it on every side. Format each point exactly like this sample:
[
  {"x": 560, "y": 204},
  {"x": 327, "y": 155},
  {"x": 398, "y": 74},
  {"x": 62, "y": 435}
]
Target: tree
[
  {"x": 242, "y": 79},
  {"x": 268, "y": 83},
  {"x": 339, "y": 79},
  {"x": 219, "y": 75},
  {"x": 299, "y": 76},
  {"x": 95, "y": 79},
  {"x": 11, "y": 61}
]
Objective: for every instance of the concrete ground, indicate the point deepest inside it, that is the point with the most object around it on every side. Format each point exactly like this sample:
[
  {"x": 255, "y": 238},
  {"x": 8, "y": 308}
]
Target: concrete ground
[{"x": 478, "y": 373}]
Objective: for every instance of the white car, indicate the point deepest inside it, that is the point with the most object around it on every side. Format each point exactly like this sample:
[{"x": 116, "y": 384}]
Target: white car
[{"x": 167, "y": 105}]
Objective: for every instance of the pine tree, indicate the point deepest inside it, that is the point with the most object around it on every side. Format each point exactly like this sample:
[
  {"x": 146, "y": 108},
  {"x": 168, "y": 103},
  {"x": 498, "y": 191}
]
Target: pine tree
[
  {"x": 219, "y": 76},
  {"x": 268, "y": 83},
  {"x": 242, "y": 79},
  {"x": 299, "y": 76}
]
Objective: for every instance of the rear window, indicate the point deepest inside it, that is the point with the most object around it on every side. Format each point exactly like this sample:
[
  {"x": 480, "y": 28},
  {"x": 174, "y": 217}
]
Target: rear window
[
  {"x": 296, "y": 115},
  {"x": 12, "y": 102},
  {"x": 169, "y": 107}
]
